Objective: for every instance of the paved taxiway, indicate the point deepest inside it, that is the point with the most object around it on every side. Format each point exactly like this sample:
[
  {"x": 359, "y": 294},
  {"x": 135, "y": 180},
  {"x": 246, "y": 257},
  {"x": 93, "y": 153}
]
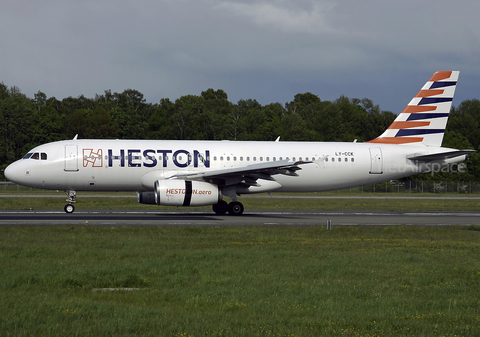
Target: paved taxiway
[{"x": 254, "y": 218}]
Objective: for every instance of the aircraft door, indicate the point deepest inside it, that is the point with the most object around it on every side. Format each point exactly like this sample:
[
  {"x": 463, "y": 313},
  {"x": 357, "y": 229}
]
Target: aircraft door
[
  {"x": 71, "y": 158},
  {"x": 376, "y": 160}
]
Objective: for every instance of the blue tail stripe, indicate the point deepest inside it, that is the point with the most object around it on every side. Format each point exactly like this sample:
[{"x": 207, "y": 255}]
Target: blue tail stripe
[
  {"x": 417, "y": 132},
  {"x": 436, "y": 85},
  {"x": 432, "y": 100},
  {"x": 420, "y": 116}
]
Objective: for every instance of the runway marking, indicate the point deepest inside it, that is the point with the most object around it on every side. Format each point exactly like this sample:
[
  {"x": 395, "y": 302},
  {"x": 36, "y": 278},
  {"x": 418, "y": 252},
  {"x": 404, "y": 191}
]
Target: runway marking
[{"x": 250, "y": 218}]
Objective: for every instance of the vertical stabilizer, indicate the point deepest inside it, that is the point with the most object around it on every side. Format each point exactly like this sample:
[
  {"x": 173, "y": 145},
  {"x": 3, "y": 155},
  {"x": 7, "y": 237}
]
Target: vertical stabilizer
[{"x": 424, "y": 119}]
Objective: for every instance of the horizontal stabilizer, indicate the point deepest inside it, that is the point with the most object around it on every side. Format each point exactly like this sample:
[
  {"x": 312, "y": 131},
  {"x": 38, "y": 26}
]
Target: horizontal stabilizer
[{"x": 441, "y": 156}]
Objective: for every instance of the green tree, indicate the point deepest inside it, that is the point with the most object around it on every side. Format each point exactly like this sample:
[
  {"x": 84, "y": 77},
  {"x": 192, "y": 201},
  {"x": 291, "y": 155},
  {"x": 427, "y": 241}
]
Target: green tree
[
  {"x": 466, "y": 121},
  {"x": 16, "y": 118},
  {"x": 160, "y": 122}
]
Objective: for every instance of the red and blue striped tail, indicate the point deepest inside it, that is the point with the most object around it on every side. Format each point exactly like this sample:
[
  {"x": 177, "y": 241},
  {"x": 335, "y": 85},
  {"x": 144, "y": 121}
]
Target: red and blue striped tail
[{"x": 424, "y": 119}]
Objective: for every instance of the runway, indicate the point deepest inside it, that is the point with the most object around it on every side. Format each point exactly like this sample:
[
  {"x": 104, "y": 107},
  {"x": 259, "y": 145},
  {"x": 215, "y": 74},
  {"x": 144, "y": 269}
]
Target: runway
[{"x": 253, "y": 218}]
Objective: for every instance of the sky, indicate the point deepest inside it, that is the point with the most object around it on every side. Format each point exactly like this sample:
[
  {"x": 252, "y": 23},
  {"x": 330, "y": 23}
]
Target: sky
[{"x": 251, "y": 49}]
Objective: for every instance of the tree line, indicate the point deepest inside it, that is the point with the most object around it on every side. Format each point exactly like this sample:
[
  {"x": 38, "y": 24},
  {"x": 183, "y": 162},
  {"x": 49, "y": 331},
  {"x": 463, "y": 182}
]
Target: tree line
[{"x": 27, "y": 122}]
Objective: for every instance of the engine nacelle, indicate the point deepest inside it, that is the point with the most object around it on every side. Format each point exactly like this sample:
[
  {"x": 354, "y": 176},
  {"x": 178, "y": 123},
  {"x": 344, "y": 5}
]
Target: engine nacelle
[
  {"x": 186, "y": 193},
  {"x": 146, "y": 198}
]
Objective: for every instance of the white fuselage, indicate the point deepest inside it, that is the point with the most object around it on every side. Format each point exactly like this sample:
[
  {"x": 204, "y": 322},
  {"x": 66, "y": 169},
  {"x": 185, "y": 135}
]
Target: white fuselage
[{"x": 135, "y": 165}]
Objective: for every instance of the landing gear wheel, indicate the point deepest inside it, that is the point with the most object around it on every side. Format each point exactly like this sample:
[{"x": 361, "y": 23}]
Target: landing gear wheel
[
  {"x": 220, "y": 208},
  {"x": 69, "y": 208},
  {"x": 235, "y": 208}
]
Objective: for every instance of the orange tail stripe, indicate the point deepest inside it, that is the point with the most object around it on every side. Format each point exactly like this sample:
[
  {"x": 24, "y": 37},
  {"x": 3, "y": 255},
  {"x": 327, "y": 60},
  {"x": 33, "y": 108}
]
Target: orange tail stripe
[
  {"x": 440, "y": 75},
  {"x": 411, "y": 109},
  {"x": 428, "y": 93},
  {"x": 407, "y": 125},
  {"x": 396, "y": 140}
]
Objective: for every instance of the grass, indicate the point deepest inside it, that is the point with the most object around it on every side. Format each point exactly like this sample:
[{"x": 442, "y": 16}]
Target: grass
[
  {"x": 252, "y": 203},
  {"x": 239, "y": 281},
  {"x": 116, "y": 200}
]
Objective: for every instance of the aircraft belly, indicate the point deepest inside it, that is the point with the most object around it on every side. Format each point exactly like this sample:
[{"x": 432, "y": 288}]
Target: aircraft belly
[
  {"x": 323, "y": 179},
  {"x": 332, "y": 176},
  {"x": 97, "y": 179}
]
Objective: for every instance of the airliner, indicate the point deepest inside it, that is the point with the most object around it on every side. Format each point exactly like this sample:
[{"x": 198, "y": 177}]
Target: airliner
[{"x": 200, "y": 173}]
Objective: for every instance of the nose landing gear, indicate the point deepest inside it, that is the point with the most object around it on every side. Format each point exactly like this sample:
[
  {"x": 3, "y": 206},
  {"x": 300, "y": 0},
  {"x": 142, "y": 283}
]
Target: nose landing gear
[{"x": 69, "y": 208}]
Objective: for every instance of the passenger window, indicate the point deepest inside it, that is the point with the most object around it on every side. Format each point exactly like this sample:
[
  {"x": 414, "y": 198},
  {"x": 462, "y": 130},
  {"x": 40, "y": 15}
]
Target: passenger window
[
  {"x": 333, "y": 159},
  {"x": 241, "y": 158},
  {"x": 261, "y": 158},
  {"x": 43, "y": 156},
  {"x": 35, "y": 156},
  {"x": 346, "y": 159},
  {"x": 353, "y": 160}
]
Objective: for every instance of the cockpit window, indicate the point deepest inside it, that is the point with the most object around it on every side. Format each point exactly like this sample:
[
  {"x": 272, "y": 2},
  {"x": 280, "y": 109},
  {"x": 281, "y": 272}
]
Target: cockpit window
[{"x": 36, "y": 156}]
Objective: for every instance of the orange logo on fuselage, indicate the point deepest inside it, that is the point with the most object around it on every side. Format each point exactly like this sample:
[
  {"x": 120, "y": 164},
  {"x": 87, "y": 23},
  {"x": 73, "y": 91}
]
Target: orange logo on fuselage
[{"x": 94, "y": 159}]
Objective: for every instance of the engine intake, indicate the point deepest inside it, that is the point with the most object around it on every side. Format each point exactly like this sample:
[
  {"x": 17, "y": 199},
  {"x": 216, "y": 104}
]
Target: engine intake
[{"x": 186, "y": 193}]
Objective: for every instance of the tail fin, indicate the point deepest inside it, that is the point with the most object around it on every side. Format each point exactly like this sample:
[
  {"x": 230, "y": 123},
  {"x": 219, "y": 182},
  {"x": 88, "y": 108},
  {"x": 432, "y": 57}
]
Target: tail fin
[{"x": 424, "y": 119}]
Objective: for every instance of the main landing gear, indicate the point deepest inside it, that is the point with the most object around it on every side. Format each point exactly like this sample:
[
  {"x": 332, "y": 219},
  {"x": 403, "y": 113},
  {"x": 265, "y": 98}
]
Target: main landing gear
[
  {"x": 69, "y": 208},
  {"x": 233, "y": 208}
]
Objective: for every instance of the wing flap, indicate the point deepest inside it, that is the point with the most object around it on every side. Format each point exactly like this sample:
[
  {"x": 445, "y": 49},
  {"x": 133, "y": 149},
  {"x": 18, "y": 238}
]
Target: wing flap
[{"x": 250, "y": 172}]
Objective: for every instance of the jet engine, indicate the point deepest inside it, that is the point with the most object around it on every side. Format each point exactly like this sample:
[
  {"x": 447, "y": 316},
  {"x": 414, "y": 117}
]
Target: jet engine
[
  {"x": 147, "y": 198},
  {"x": 181, "y": 193}
]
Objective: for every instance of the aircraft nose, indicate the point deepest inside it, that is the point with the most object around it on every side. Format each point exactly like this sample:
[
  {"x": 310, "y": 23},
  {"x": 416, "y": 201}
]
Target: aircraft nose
[{"x": 11, "y": 172}]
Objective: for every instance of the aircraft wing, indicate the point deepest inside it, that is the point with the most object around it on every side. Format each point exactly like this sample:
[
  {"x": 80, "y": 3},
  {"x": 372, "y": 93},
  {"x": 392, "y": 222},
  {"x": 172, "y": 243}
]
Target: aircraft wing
[
  {"x": 247, "y": 175},
  {"x": 441, "y": 156}
]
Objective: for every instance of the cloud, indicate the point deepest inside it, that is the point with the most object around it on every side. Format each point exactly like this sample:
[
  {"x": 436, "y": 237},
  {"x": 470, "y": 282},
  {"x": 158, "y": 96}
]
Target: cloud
[
  {"x": 267, "y": 50},
  {"x": 307, "y": 17}
]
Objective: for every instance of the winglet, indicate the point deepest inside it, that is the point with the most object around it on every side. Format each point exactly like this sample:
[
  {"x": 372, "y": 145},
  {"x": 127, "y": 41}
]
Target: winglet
[
  {"x": 76, "y": 136},
  {"x": 424, "y": 119}
]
